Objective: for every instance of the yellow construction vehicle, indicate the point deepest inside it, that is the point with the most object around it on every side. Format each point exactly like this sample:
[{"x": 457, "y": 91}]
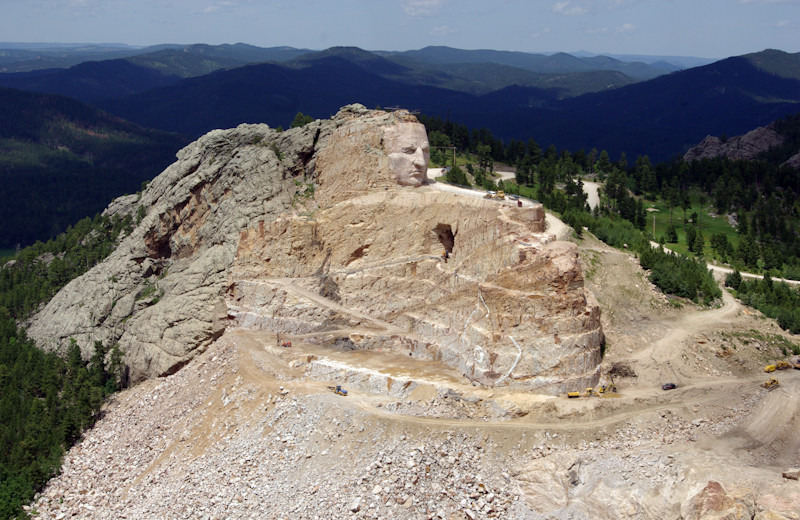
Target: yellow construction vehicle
[
  {"x": 769, "y": 368},
  {"x": 783, "y": 365},
  {"x": 772, "y": 383},
  {"x": 594, "y": 392},
  {"x": 500, "y": 195},
  {"x": 607, "y": 389},
  {"x": 338, "y": 390}
]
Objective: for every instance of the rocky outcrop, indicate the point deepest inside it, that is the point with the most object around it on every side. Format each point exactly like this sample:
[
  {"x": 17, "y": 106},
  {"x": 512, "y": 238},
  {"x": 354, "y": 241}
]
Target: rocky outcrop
[
  {"x": 307, "y": 232},
  {"x": 794, "y": 161},
  {"x": 160, "y": 294},
  {"x": 746, "y": 146}
]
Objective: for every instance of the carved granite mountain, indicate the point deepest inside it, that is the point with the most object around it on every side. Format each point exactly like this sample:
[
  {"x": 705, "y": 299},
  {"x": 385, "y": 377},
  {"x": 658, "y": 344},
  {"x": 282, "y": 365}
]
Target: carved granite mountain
[{"x": 307, "y": 232}]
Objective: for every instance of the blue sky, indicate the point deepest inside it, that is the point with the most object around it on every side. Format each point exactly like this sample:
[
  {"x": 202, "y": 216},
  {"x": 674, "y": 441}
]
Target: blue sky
[{"x": 706, "y": 28}]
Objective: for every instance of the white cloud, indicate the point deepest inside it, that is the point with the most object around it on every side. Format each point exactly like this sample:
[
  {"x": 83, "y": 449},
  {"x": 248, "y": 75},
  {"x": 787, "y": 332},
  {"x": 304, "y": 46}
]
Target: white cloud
[
  {"x": 625, "y": 28},
  {"x": 580, "y": 7},
  {"x": 597, "y": 30},
  {"x": 541, "y": 33},
  {"x": 783, "y": 24},
  {"x": 421, "y": 7},
  {"x": 442, "y": 30},
  {"x": 217, "y": 6},
  {"x": 569, "y": 9}
]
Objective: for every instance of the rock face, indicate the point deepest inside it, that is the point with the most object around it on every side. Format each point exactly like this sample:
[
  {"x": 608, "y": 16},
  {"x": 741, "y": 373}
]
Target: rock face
[
  {"x": 160, "y": 294},
  {"x": 307, "y": 232},
  {"x": 740, "y": 147}
]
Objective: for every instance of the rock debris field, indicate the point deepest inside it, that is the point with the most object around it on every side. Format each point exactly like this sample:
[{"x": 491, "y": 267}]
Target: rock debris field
[{"x": 242, "y": 433}]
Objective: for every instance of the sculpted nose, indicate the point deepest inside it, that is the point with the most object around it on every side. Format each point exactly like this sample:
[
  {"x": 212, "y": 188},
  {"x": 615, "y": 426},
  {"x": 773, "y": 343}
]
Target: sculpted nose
[{"x": 419, "y": 157}]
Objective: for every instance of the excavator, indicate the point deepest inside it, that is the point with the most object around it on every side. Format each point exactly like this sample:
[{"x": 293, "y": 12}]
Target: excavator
[{"x": 783, "y": 365}]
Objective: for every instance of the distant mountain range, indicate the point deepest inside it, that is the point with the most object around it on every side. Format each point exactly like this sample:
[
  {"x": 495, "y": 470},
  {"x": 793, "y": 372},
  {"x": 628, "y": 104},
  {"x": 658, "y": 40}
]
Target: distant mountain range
[
  {"x": 573, "y": 102},
  {"x": 570, "y": 101},
  {"x": 475, "y": 72}
]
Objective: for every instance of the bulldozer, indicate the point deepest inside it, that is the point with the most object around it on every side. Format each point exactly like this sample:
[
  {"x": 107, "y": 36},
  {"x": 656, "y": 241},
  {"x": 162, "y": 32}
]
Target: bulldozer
[{"x": 771, "y": 383}]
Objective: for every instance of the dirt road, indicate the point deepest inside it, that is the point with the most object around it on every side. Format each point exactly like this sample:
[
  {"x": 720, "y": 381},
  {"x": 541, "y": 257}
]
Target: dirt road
[{"x": 553, "y": 223}]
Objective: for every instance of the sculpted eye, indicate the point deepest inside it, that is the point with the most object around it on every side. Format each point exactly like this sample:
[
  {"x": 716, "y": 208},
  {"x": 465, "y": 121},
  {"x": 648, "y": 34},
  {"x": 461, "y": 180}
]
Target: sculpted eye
[{"x": 409, "y": 149}]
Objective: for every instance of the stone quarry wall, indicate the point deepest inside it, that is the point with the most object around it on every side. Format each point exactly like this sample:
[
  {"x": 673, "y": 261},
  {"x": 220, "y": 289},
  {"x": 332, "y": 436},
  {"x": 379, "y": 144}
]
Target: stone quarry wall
[
  {"x": 235, "y": 236},
  {"x": 507, "y": 307}
]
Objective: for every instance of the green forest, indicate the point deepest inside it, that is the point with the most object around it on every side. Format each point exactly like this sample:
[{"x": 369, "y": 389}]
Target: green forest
[
  {"x": 742, "y": 213},
  {"x": 47, "y": 400},
  {"x": 61, "y": 160}
]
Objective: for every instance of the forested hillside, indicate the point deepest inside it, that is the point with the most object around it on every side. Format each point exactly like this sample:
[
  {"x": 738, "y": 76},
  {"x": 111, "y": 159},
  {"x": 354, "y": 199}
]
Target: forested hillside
[
  {"x": 47, "y": 399},
  {"x": 62, "y": 160},
  {"x": 743, "y": 213}
]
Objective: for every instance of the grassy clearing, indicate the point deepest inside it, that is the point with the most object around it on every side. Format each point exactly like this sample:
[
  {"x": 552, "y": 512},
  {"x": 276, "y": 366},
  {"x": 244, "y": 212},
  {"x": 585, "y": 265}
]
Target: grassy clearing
[{"x": 708, "y": 225}]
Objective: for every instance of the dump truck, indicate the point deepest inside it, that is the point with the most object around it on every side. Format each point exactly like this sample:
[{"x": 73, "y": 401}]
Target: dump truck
[
  {"x": 771, "y": 383},
  {"x": 573, "y": 395},
  {"x": 769, "y": 368}
]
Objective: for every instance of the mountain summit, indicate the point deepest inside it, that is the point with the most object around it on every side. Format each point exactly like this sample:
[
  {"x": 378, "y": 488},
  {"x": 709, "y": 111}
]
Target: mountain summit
[{"x": 331, "y": 231}]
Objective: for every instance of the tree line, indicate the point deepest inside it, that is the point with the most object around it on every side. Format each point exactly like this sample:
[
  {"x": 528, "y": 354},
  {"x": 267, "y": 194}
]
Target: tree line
[{"x": 47, "y": 400}]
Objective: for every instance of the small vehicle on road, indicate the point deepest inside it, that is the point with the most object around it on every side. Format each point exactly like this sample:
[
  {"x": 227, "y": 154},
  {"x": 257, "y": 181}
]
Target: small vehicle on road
[
  {"x": 338, "y": 390},
  {"x": 669, "y": 386}
]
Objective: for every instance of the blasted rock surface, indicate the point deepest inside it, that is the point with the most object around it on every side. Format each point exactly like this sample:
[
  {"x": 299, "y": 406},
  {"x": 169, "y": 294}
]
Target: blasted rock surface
[{"x": 307, "y": 231}]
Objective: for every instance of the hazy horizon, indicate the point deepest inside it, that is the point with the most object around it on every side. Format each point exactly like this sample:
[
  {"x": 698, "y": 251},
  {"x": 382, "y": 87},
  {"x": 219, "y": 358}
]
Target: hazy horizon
[{"x": 712, "y": 29}]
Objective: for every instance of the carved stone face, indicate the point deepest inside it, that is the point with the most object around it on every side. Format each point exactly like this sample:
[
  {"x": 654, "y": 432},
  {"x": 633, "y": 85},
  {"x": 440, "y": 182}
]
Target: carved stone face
[{"x": 409, "y": 152}]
